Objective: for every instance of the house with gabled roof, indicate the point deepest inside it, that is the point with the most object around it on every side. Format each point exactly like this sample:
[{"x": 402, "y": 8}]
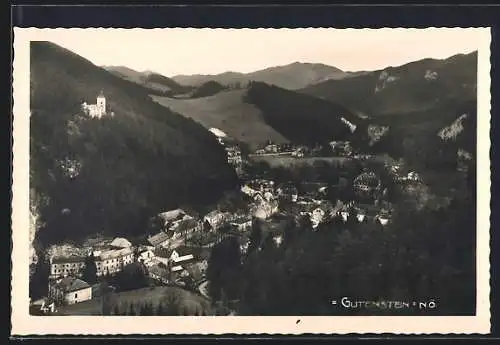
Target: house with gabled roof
[
  {"x": 161, "y": 239},
  {"x": 113, "y": 261},
  {"x": 69, "y": 290},
  {"x": 159, "y": 272},
  {"x": 217, "y": 218},
  {"x": 120, "y": 242},
  {"x": 181, "y": 255},
  {"x": 242, "y": 223}
]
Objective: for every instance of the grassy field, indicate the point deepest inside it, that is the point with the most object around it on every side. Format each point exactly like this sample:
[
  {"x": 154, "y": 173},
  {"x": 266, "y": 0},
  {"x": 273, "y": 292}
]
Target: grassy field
[
  {"x": 137, "y": 297},
  {"x": 228, "y": 112}
]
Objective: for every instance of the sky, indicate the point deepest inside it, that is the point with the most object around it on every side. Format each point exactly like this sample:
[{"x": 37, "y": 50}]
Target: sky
[{"x": 210, "y": 51}]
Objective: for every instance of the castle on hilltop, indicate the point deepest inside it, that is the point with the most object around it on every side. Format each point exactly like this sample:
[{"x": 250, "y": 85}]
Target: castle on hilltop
[{"x": 96, "y": 110}]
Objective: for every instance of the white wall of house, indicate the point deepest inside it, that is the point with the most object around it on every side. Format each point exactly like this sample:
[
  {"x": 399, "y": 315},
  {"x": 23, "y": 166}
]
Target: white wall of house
[
  {"x": 65, "y": 269},
  {"x": 78, "y": 296}
]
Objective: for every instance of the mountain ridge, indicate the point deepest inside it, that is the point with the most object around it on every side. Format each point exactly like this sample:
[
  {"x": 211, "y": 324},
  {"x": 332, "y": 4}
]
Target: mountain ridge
[
  {"x": 153, "y": 81},
  {"x": 291, "y": 76},
  {"x": 414, "y": 86}
]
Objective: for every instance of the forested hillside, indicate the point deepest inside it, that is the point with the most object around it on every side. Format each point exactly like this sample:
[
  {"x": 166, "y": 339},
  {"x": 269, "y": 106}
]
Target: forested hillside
[
  {"x": 413, "y": 87},
  {"x": 109, "y": 175}
]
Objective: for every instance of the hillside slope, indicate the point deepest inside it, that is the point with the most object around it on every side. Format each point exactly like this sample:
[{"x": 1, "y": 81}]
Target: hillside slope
[
  {"x": 413, "y": 87},
  {"x": 292, "y": 76},
  {"x": 153, "y": 81},
  {"x": 262, "y": 112},
  {"x": 226, "y": 111},
  {"x": 110, "y": 175}
]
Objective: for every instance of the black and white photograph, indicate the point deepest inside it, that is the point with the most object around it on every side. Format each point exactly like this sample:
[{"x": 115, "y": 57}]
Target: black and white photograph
[{"x": 297, "y": 173}]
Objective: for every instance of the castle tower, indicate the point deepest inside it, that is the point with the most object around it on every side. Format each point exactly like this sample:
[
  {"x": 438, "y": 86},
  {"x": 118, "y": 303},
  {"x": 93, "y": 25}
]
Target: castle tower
[{"x": 101, "y": 104}]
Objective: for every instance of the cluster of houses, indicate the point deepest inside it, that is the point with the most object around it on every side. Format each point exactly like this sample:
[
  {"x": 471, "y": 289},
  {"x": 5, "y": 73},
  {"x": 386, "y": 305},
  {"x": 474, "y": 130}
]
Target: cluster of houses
[
  {"x": 170, "y": 265},
  {"x": 264, "y": 202},
  {"x": 400, "y": 175},
  {"x": 341, "y": 148},
  {"x": 110, "y": 257},
  {"x": 233, "y": 151},
  {"x": 312, "y": 201},
  {"x": 273, "y": 148},
  {"x": 367, "y": 185},
  {"x": 168, "y": 261},
  {"x": 338, "y": 148}
]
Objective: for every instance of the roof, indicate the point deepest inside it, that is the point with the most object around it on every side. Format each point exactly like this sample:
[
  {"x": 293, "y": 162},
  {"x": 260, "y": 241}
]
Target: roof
[
  {"x": 215, "y": 213},
  {"x": 68, "y": 259},
  {"x": 145, "y": 250},
  {"x": 242, "y": 220},
  {"x": 217, "y": 132},
  {"x": 288, "y": 188},
  {"x": 184, "y": 258},
  {"x": 190, "y": 223},
  {"x": 121, "y": 242},
  {"x": 116, "y": 253},
  {"x": 182, "y": 250},
  {"x": 339, "y": 206},
  {"x": 70, "y": 284},
  {"x": 326, "y": 207},
  {"x": 367, "y": 179},
  {"x": 158, "y": 238},
  {"x": 268, "y": 195},
  {"x": 172, "y": 214}
]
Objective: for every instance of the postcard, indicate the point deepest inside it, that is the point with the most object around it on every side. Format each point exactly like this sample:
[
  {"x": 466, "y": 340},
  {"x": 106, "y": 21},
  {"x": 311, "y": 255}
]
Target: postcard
[{"x": 251, "y": 181}]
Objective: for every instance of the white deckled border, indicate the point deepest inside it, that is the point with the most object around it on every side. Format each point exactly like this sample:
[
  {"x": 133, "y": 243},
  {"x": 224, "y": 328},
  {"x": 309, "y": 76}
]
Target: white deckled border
[{"x": 24, "y": 324}]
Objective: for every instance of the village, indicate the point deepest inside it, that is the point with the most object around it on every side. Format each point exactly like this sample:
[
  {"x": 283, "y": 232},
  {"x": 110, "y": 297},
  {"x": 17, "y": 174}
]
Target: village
[{"x": 176, "y": 247}]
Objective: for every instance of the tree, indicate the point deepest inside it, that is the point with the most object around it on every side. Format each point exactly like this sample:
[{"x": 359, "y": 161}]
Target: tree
[
  {"x": 147, "y": 309},
  {"x": 156, "y": 224},
  {"x": 116, "y": 310},
  {"x": 224, "y": 268},
  {"x": 305, "y": 224},
  {"x": 171, "y": 302},
  {"x": 38, "y": 284},
  {"x": 133, "y": 276},
  {"x": 222, "y": 305},
  {"x": 159, "y": 309},
  {"x": 255, "y": 235},
  {"x": 131, "y": 310},
  {"x": 89, "y": 273},
  {"x": 207, "y": 227},
  {"x": 290, "y": 231}
]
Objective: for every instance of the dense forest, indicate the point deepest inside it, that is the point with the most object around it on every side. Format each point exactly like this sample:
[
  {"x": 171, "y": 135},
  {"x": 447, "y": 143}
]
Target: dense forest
[
  {"x": 415, "y": 138},
  {"x": 110, "y": 175},
  {"x": 298, "y": 117},
  {"x": 207, "y": 89}
]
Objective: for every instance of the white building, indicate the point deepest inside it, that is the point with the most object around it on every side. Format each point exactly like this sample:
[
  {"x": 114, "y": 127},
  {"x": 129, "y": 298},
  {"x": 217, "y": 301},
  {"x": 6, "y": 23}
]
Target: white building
[
  {"x": 66, "y": 266},
  {"x": 113, "y": 261},
  {"x": 70, "y": 290},
  {"x": 146, "y": 256},
  {"x": 97, "y": 110}
]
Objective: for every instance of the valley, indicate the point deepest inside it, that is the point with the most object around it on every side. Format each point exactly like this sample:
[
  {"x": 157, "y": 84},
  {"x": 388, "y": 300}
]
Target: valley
[{"x": 250, "y": 194}]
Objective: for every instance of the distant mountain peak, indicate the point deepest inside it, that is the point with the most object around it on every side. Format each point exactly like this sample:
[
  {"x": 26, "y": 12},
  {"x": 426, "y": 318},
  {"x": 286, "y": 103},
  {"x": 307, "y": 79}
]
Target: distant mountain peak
[{"x": 292, "y": 76}]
